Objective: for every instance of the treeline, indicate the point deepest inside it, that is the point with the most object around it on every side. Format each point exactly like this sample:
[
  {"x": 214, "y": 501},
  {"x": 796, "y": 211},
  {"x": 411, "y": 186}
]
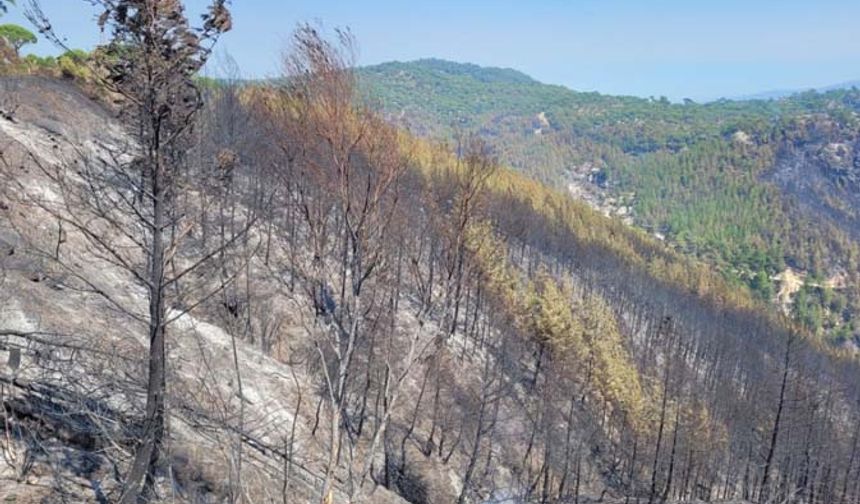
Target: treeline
[
  {"x": 13, "y": 38},
  {"x": 468, "y": 95}
]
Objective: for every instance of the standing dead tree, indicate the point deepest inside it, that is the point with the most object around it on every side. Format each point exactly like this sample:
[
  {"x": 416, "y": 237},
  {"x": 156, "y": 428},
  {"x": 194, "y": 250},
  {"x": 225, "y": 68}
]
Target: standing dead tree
[
  {"x": 344, "y": 169},
  {"x": 133, "y": 211}
]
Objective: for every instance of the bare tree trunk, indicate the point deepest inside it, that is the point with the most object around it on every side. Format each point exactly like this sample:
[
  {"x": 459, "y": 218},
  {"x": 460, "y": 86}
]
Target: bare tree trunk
[
  {"x": 653, "y": 493},
  {"x": 764, "y": 493},
  {"x": 146, "y": 457},
  {"x": 850, "y": 466},
  {"x": 408, "y": 434},
  {"x": 486, "y": 380},
  {"x": 473, "y": 456},
  {"x": 566, "y": 466},
  {"x": 241, "y": 426},
  {"x": 672, "y": 456}
]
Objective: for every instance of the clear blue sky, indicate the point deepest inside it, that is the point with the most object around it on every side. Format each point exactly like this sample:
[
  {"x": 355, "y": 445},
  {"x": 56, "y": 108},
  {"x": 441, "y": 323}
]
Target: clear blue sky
[{"x": 702, "y": 49}]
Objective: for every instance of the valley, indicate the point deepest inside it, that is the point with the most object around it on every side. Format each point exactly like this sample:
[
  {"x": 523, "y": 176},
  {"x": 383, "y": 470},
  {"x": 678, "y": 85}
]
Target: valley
[{"x": 751, "y": 187}]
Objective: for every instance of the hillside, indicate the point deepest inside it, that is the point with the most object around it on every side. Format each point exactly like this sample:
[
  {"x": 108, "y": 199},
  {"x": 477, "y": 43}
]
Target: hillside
[
  {"x": 263, "y": 292},
  {"x": 518, "y": 343},
  {"x": 71, "y": 319},
  {"x": 751, "y": 187}
]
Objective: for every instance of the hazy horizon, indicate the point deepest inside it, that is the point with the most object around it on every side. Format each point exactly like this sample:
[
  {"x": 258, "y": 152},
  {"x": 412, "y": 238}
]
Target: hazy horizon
[{"x": 701, "y": 50}]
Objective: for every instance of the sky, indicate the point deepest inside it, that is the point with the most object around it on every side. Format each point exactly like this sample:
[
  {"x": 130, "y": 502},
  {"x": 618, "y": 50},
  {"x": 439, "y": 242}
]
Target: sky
[{"x": 698, "y": 49}]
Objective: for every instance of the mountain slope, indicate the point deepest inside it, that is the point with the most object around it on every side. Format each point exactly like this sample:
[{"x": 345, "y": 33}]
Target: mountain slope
[
  {"x": 72, "y": 403},
  {"x": 705, "y": 176},
  {"x": 562, "y": 349}
]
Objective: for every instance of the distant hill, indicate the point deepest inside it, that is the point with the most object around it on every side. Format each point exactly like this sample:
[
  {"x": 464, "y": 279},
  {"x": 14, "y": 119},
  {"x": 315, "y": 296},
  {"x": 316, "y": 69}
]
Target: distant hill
[
  {"x": 777, "y": 94},
  {"x": 752, "y": 186},
  {"x": 436, "y": 96},
  {"x": 482, "y": 74}
]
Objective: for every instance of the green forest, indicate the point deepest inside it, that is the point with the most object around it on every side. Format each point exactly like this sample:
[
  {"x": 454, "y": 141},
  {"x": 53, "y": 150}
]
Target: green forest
[{"x": 699, "y": 175}]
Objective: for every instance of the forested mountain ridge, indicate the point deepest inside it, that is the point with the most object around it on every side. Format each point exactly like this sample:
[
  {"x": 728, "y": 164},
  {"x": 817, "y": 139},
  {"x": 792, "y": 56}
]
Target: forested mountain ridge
[{"x": 758, "y": 188}]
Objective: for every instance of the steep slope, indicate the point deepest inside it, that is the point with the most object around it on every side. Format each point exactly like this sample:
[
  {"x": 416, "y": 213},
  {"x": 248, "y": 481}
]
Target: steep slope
[
  {"x": 565, "y": 355},
  {"x": 69, "y": 322}
]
